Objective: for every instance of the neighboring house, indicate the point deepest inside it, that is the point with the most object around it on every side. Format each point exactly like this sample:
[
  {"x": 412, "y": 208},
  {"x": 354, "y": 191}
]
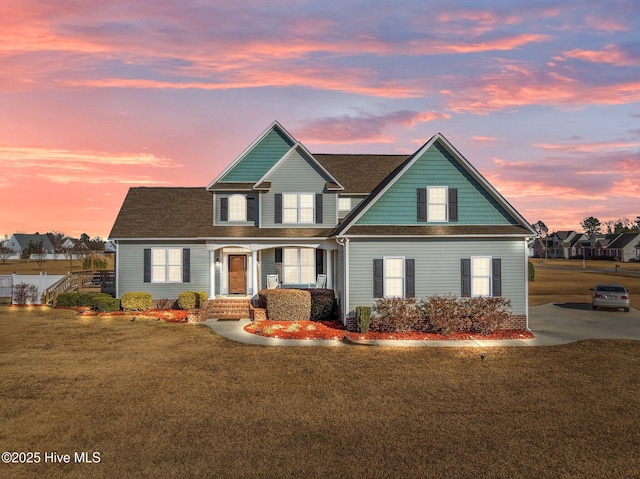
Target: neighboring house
[
  {"x": 623, "y": 246},
  {"x": 20, "y": 242},
  {"x": 537, "y": 247},
  {"x": 564, "y": 244},
  {"x": 412, "y": 226}
]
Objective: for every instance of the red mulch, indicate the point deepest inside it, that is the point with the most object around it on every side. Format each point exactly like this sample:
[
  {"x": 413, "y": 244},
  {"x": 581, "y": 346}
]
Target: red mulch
[{"x": 335, "y": 330}]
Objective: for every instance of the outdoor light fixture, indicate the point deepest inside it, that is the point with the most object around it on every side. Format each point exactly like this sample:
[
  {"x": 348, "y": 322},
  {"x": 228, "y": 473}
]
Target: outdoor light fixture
[{"x": 217, "y": 260}]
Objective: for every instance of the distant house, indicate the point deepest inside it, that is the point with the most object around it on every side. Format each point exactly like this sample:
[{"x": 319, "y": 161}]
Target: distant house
[
  {"x": 623, "y": 247},
  {"x": 366, "y": 226},
  {"x": 564, "y": 243},
  {"x": 19, "y": 242}
]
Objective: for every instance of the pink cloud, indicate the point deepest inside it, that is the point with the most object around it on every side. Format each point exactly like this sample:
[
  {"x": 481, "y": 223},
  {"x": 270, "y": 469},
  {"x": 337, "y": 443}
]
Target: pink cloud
[
  {"x": 484, "y": 139},
  {"x": 603, "y": 146},
  {"x": 611, "y": 54},
  {"x": 365, "y": 128}
]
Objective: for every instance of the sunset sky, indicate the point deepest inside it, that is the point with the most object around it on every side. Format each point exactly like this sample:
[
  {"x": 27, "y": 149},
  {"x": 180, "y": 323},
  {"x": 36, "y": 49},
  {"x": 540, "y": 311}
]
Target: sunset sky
[{"x": 543, "y": 98}]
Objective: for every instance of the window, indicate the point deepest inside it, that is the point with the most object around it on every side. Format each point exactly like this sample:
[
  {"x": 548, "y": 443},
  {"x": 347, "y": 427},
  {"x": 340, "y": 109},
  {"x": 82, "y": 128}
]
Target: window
[
  {"x": 437, "y": 200},
  {"x": 481, "y": 276},
  {"x": 393, "y": 277},
  {"x": 298, "y": 207},
  {"x": 166, "y": 265},
  {"x": 344, "y": 204},
  {"x": 298, "y": 265},
  {"x": 237, "y": 208}
]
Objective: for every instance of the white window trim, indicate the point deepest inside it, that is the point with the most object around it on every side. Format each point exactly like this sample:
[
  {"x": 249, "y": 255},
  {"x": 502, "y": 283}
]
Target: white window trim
[
  {"x": 446, "y": 204},
  {"x": 298, "y": 265},
  {"x": 384, "y": 276},
  {"x": 230, "y": 209},
  {"x": 284, "y": 221},
  {"x": 473, "y": 294},
  {"x": 166, "y": 265}
]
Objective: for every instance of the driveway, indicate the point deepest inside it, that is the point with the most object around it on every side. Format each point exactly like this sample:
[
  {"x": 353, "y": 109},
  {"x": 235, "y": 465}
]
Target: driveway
[{"x": 560, "y": 323}]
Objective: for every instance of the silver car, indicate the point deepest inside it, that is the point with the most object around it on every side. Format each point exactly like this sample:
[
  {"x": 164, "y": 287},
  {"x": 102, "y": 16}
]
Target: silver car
[{"x": 613, "y": 296}]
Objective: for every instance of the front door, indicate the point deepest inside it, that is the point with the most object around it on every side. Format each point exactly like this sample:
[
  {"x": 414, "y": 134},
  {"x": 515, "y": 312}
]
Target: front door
[{"x": 237, "y": 274}]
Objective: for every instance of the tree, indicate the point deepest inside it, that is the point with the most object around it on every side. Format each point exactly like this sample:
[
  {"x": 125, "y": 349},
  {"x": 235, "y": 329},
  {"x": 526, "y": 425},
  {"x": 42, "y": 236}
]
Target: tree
[
  {"x": 5, "y": 253},
  {"x": 84, "y": 237},
  {"x": 38, "y": 253},
  {"x": 591, "y": 226},
  {"x": 542, "y": 231},
  {"x": 56, "y": 238}
]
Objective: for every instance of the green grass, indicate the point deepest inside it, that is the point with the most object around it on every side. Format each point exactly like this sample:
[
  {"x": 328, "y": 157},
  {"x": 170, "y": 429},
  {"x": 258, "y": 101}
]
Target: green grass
[{"x": 175, "y": 400}]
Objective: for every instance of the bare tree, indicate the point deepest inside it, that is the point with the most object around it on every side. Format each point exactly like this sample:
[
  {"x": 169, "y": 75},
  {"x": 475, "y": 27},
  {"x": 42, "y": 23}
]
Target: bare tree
[
  {"x": 5, "y": 253},
  {"x": 38, "y": 253}
]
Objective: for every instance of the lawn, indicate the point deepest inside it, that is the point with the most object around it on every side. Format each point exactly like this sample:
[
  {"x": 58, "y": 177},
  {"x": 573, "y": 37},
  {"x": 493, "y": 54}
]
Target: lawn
[
  {"x": 174, "y": 400},
  {"x": 564, "y": 283},
  {"x": 58, "y": 266}
]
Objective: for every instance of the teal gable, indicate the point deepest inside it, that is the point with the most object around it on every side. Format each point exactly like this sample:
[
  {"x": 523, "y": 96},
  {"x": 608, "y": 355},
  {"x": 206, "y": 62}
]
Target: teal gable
[
  {"x": 260, "y": 158},
  {"x": 436, "y": 167}
]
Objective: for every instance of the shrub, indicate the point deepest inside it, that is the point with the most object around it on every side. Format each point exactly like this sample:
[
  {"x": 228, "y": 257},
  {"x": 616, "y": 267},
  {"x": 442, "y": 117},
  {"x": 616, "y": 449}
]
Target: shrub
[
  {"x": 187, "y": 300},
  {"x": 87, "y": 299},
  {"x": 396, "y": 315},
  {"x": 363, "y": 318},
  {"x": 24, "y": 293},
  {"x": 136, "y": 301},
  {"x": 488, "y": 314},
  {"x": 164, "y": 304},
  {"x": 201, "y": 298},
  {"x": 444, "y": 314},
  {"x": 286, "y": 304},
  {"x": 106, "y": 304},
  {"x": 67, "y": 299},
  {"x": 323, "y": 304},
  {"x": 97, "y": 263},
  {"x": 532, "y": 271}
]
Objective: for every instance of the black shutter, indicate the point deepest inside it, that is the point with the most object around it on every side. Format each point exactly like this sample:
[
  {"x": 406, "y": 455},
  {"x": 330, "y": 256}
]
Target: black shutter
[
  {"x": 453, "y": 204},
  {"x": 250, "y": 209},
  {"x": 410, "y": 278},
  {"x": 377, "y": 278},
  {"x": 224, "y": 209},
  {"x": 278, "y": 262},
  {"x": 496, "y": 277},
  {"x": 277, "y": 208},
  {"x": 422, "y": 204},
  {"x": 319, "y": 208},
  {"x": 465, "y": 274},
  {"x": 147, "y": 265},
  {"x": 319, "y": 261},
  {"x": 186, "y": 265}
]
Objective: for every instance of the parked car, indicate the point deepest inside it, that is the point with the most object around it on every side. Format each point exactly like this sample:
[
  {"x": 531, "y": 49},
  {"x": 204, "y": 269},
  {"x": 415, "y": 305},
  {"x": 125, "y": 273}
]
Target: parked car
[{"x": 613, "y": 296}]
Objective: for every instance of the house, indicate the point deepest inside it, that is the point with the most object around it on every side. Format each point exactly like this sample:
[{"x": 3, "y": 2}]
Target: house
[
  {"x": 19, "y": 242},
  {"x": 623, "y": 246},
  {"x": 564, "y": 243},
  {"x": 374, "y": 225}
]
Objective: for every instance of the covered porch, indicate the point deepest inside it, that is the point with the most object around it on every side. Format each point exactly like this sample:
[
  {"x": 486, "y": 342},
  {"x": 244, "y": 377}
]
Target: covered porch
[{"x": 240, "y": 269}]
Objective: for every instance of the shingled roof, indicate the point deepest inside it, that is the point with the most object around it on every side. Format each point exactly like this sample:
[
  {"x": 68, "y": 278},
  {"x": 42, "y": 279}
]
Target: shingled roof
[{"x": 183, "y": 213}]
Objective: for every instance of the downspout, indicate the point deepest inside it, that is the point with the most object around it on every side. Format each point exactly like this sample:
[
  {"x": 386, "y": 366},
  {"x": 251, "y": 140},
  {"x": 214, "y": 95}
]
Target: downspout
[
  {"x": 345, "y": 312},
  {"x": 526, "y": 284},
  {"x": 116, "y": 267}
]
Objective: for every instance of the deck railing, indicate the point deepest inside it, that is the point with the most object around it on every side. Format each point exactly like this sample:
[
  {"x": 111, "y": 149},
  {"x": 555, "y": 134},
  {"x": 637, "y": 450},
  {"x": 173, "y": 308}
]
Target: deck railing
[{"x": 82, "y": 282}]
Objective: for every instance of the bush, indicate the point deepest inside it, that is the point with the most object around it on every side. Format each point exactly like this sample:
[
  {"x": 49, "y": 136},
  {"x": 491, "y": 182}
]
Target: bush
[
  {"x": 363, "y": 318},
  {"x": 106, "y": 304},
  {"x": 97, "y": 263},
  {"x": 286, "y": 304},
  {"x": 487, "y": 314},
  {"x": 396, "y": 315},
  {"x": 87, "y": 299},
  {"x": 532, "y": 271},
  {"x": 201, "y": 298},
  {"x": 187, "y": 300},
  {"x": 67, "y": 299},
  {"x": 445, "y": 314},
  {"x": 24, "y": 293},
  {"x": 136, "y": 301},
  {"x": 164, "y": 304},
  {"x": 323, "y": 304}
]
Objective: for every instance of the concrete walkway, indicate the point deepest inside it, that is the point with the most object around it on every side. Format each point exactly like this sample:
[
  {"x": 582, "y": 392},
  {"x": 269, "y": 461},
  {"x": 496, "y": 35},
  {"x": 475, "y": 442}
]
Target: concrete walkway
[{"x": 551, "y": 324}]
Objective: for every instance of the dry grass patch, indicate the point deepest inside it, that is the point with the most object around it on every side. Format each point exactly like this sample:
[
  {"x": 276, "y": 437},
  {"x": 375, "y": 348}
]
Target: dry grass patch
[
  {"x": 572, "y": 286},
  {"x": 58, "y": 266},
  {"x": 174, "y": 400}
]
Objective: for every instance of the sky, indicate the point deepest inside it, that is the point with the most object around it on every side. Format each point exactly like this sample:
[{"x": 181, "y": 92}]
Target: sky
[{"x": 543, "y": 98}]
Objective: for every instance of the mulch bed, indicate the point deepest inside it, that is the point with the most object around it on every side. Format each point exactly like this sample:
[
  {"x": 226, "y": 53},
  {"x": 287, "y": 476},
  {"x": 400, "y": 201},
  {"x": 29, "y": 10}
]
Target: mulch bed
[
  {"x": 167, "y": 315},
  {"x": 335, "y": 330}
]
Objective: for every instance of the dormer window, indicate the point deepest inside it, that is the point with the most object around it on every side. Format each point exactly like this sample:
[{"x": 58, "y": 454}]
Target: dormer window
[{"x": 237, "y": 208}]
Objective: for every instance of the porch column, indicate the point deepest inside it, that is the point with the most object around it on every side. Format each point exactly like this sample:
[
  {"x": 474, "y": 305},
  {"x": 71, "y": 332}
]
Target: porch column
[
  {"x": 329, "y": 269},
  {"x": 212, "y": 274},
  {"x": 254, "y": 271}
]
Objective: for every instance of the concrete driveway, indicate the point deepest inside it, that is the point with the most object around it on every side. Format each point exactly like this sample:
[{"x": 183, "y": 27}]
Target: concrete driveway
[{"x": 560, "y": 323}]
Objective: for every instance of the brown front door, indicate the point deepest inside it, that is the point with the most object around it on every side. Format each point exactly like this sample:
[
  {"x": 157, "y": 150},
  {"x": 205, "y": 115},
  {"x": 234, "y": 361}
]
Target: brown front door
[{"x": 237, "y": 274}]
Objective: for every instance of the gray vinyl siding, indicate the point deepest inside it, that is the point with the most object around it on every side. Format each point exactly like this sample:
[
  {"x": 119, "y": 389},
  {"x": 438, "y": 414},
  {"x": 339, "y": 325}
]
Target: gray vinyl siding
[
  {"x": 219, "y": 195},
  {"x": 339, "y": 284},
  {"x": 437, "y": 266},
  {"x": 297, "y": 175},
  {"x": 130, "y": 272},
  {"x": 267, "y": 265}
]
